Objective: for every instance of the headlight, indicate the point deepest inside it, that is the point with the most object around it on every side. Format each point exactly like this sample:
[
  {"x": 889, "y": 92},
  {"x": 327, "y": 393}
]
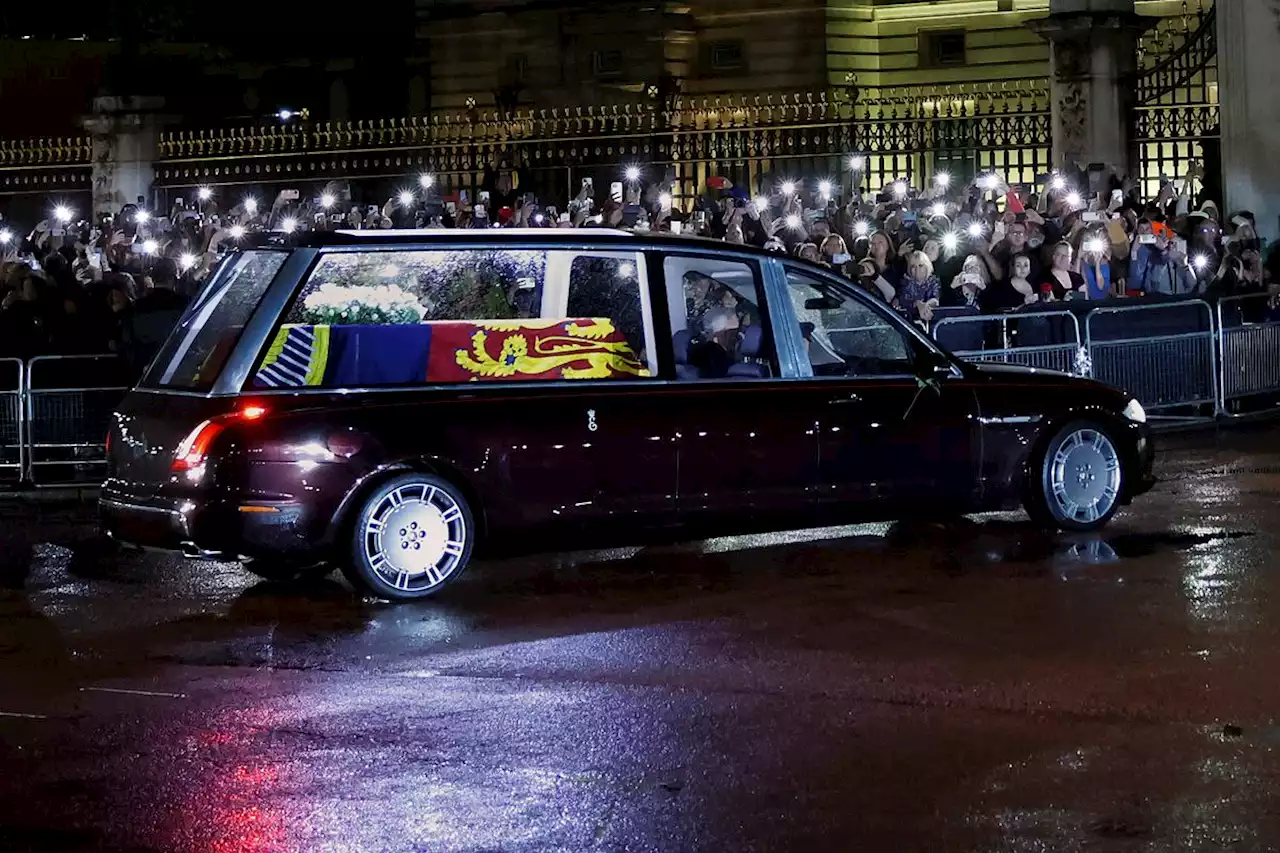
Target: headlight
[{"x": 1134, "y": 412}]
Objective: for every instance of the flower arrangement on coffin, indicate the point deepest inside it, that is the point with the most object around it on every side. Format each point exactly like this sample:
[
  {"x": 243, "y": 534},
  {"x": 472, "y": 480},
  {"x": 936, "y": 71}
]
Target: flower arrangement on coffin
[{"x": 385, "y": 304}]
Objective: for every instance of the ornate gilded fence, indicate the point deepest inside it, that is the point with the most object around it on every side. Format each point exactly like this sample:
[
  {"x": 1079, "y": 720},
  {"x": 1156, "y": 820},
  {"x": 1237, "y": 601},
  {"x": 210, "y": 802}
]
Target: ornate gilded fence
[
  {"x": 45, "y": 165},
  {"x": 894, "y": 133}
]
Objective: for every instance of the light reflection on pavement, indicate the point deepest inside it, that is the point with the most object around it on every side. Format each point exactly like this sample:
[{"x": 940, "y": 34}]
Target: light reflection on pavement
[{"x": 972, "y": 686}]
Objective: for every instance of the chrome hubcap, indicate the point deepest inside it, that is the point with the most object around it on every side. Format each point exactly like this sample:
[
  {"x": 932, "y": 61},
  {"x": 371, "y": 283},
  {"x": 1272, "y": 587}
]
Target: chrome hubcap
[
  {"x": 415, "y": 536},
  {"x": 1084, "y": 476}
]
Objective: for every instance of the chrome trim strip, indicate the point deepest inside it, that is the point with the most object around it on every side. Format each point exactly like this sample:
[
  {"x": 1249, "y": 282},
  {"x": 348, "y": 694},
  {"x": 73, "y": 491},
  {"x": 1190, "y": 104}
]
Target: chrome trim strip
[{"x": 1013, "y": 419}]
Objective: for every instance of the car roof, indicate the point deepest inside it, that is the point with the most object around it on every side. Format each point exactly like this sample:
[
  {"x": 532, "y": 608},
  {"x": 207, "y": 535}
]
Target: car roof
[{"x": 597, "y": 237}]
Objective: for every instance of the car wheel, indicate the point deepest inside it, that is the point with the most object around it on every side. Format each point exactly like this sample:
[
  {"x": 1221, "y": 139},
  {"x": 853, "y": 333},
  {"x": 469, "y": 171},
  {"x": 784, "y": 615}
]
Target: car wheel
[
  {"x": 286, "y": 570},
  {"x": 1080, "y": 479},
  {"x": 412, "y": 537}
]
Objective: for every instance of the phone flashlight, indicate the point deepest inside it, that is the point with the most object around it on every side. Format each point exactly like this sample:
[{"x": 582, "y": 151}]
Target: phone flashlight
[
  {"x": 406, "y": 198},
  {"x": 976, "y": 229},
  {"x": 788, "y": 188},
  {"x": 861, "y": 228},
  {"x": 950, "y": 241},
  {"x": 1093, "y": 245},
  {"x": 425, "y": 181},
  {"x": 1058, "y": 182},
  {"x": 1200, "y": 261},
  {"x": 251, "y": 206},
  {"x": 204, "y": 193},
  {"x": 824, "y": 189},
  {"x": 792, "y": 221},
  {"x": 327, "y": 200},
  {"x": 1074, "y": 200},
  {"x": 289, "y": 225},
  {"x": 942, "y": 179},
  {"x": 939, "y": 209},
  {"x": 762, "y": 204},
  {"x": 632, "y": 173}
]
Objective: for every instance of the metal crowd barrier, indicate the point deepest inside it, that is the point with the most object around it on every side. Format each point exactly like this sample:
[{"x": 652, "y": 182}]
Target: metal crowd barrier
[
  {"x": 1249, "y": 349},
  {"x": 1046, "y": 339},
  {"x": 1163, "y": 353},
  {"x": 13, "y": 457},
  {"x": 69, "y": 401}
]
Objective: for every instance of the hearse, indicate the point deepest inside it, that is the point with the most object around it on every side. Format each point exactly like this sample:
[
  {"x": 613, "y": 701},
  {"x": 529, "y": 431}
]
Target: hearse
[{"x": 390, "y": 403}]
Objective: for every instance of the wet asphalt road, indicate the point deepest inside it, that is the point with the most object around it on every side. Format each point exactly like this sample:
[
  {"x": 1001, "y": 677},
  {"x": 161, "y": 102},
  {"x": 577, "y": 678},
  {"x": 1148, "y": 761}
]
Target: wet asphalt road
[{"x": 978, "y": 687}]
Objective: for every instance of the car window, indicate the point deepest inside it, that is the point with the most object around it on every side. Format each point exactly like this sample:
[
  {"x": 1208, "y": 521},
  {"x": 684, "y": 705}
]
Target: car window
[
  {"x": 196, "y": 351},
  {"x": 718, "y": 328},
  {"x": 394, "y": 318},
  {"x": 844, "y": 337}
]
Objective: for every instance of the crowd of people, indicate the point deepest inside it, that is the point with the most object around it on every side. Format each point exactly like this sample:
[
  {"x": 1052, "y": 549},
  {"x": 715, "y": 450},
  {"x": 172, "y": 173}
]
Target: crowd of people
[{"x": 118, "y": 284}]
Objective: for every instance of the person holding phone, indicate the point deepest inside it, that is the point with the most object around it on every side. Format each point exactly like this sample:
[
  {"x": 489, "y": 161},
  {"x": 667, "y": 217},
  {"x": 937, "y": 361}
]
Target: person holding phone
[{"x": 1157, "y": 264}]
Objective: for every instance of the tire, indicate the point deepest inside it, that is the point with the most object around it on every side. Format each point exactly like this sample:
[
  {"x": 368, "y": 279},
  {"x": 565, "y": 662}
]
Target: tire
[
  {"x": 285, "y": 571},
  {"x": 1077, "y": 482},
  {"x": 412, "y": 537}
]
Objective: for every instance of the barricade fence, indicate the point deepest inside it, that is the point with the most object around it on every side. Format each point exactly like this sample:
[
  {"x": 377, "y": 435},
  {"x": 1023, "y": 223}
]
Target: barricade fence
[
  {"x": 1175, "y": 355},
  {"x": 1178, "y": 357}
]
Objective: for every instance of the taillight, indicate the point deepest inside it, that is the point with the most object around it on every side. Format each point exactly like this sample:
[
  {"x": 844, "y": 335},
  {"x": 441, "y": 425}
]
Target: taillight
[{"x": 192, "y": 451}]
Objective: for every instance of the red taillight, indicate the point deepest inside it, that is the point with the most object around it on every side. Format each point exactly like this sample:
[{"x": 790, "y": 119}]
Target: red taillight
[{"x": 193, "y": 449}]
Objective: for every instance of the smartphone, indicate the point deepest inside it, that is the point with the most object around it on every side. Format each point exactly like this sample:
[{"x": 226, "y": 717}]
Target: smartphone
[
  {"x": 1180, "y": 245},
  {"x": 675, "y": 226},
  {"x": 909, "y": 217},
  {"x": 289, "y": 195},
  {"x": 1117, "y": 196},
  {"x": 95, "y": 259},
  {"x": 971, "y": 278},
  {"x": 452, "y": 207},
  {"x": 484, "y": 197},
  {"x": 1147, "y": 239},
  {"x": 589, "y": 184},
  {"x": 1092, "y": 216},
  {"x": 565, "y": 217},
  {"x": 482, "y": 211},
  {"x": 615, "y": 192},
  {"x": 463, "y": 196}
]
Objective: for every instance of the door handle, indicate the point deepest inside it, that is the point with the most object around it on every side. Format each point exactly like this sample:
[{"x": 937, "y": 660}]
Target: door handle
[{"x": 845, "y": 400}]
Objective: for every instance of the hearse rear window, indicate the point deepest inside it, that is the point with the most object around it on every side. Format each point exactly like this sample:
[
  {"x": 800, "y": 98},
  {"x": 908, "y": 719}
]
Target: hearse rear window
[
  {"x": 395, "y": 318},
  {"x": 195, "y": 352}
]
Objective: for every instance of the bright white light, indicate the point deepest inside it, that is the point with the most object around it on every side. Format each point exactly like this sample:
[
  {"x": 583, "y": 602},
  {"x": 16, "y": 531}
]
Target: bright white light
[
  {"x": 950, "y": 241},
  {"x": 626, "y": 270},
  {"x": 537, "y": 218},
  {"x": 942, "y": 179},
  {"x": 664, "y": 200},
  {"x": 1058, "y": 182},
  {"x": 988, "y": 182},
  {"x": 204, "y": 193},
  {"x": 1093, "y": 245},
  {"x": 289, "y": 225},
  {"x": 1199, "y": 262},
  {"x": 900, "y": 189},
  {"x": 150, "y": 247},
  {"x": 251, "y": 205},
  {"x": 939, "y": 209},
  {"x": 976, "y": 229},
  {"x": 1074, "y": 200},
  {"x": 824, "y": 189},
  {"x": 187, "y": 261},
  {"x": 141, "y": 216},
  {"x": 237, "y": 231},
  {"x": 6, "y": 237},
  {"x": 285, "y": 115},
  {"x": 327, "y": 201},
  {"x": 62, "y": 213},
  {"x": 762, "y": 204},
  {"x": 406, "y": 198},
  {"x": 792, "y": 221},
  {"x": 788, "y": 188},
  {"x": 425, "y": 181},
  {"x": 861, "y": 228},
  {"x": 855, "y": 163},
  {"x": 632, "y": 173}
]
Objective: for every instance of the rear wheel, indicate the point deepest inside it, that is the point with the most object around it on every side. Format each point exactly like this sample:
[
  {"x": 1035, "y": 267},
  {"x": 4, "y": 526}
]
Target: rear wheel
[
  {"x": 413, "y": 536},
  {"x": 1079, "y": 479}
]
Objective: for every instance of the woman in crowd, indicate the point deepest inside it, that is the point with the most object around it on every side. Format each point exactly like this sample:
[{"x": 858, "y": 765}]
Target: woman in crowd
[
  {"x": 880, "y": 251},
  {"x": 969, "y": 285},
  {"x": 919, "y": 291},
  {"x": 1060, "y": 281}
]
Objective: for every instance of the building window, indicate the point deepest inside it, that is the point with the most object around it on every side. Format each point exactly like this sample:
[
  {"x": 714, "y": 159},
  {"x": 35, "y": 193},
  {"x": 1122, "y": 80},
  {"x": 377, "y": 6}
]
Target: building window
[
  {"x": 725, "y": 56},
  {"x": 942, "y": 48},
  {"x": 607, "y": 63}
]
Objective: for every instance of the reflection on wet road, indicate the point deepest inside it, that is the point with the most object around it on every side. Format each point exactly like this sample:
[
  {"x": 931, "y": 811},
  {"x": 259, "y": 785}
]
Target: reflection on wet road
[{"x": 974, "y": 686}]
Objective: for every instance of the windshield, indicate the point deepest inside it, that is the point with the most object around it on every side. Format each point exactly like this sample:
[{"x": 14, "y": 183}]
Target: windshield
[{"x": 195, "y": 352}]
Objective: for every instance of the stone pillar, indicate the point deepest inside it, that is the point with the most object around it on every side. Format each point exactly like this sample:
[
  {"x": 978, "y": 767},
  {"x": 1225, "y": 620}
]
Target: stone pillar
[
  {"x": 1248, "y": 76},
  {"x": 125, "y": 133},
  {"x": 1093, "y": 55}
]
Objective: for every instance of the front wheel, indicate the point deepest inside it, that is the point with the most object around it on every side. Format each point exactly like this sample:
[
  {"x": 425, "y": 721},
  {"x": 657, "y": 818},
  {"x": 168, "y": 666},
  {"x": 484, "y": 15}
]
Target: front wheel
[
  {"x": 413, "y": 535},
  {"x": 1079, "y": 479}
]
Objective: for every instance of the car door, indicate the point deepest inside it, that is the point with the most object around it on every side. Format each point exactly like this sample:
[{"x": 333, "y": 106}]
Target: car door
[
  {"x": 896, "y": 421},
  {"x": 746, "y": 452}
]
